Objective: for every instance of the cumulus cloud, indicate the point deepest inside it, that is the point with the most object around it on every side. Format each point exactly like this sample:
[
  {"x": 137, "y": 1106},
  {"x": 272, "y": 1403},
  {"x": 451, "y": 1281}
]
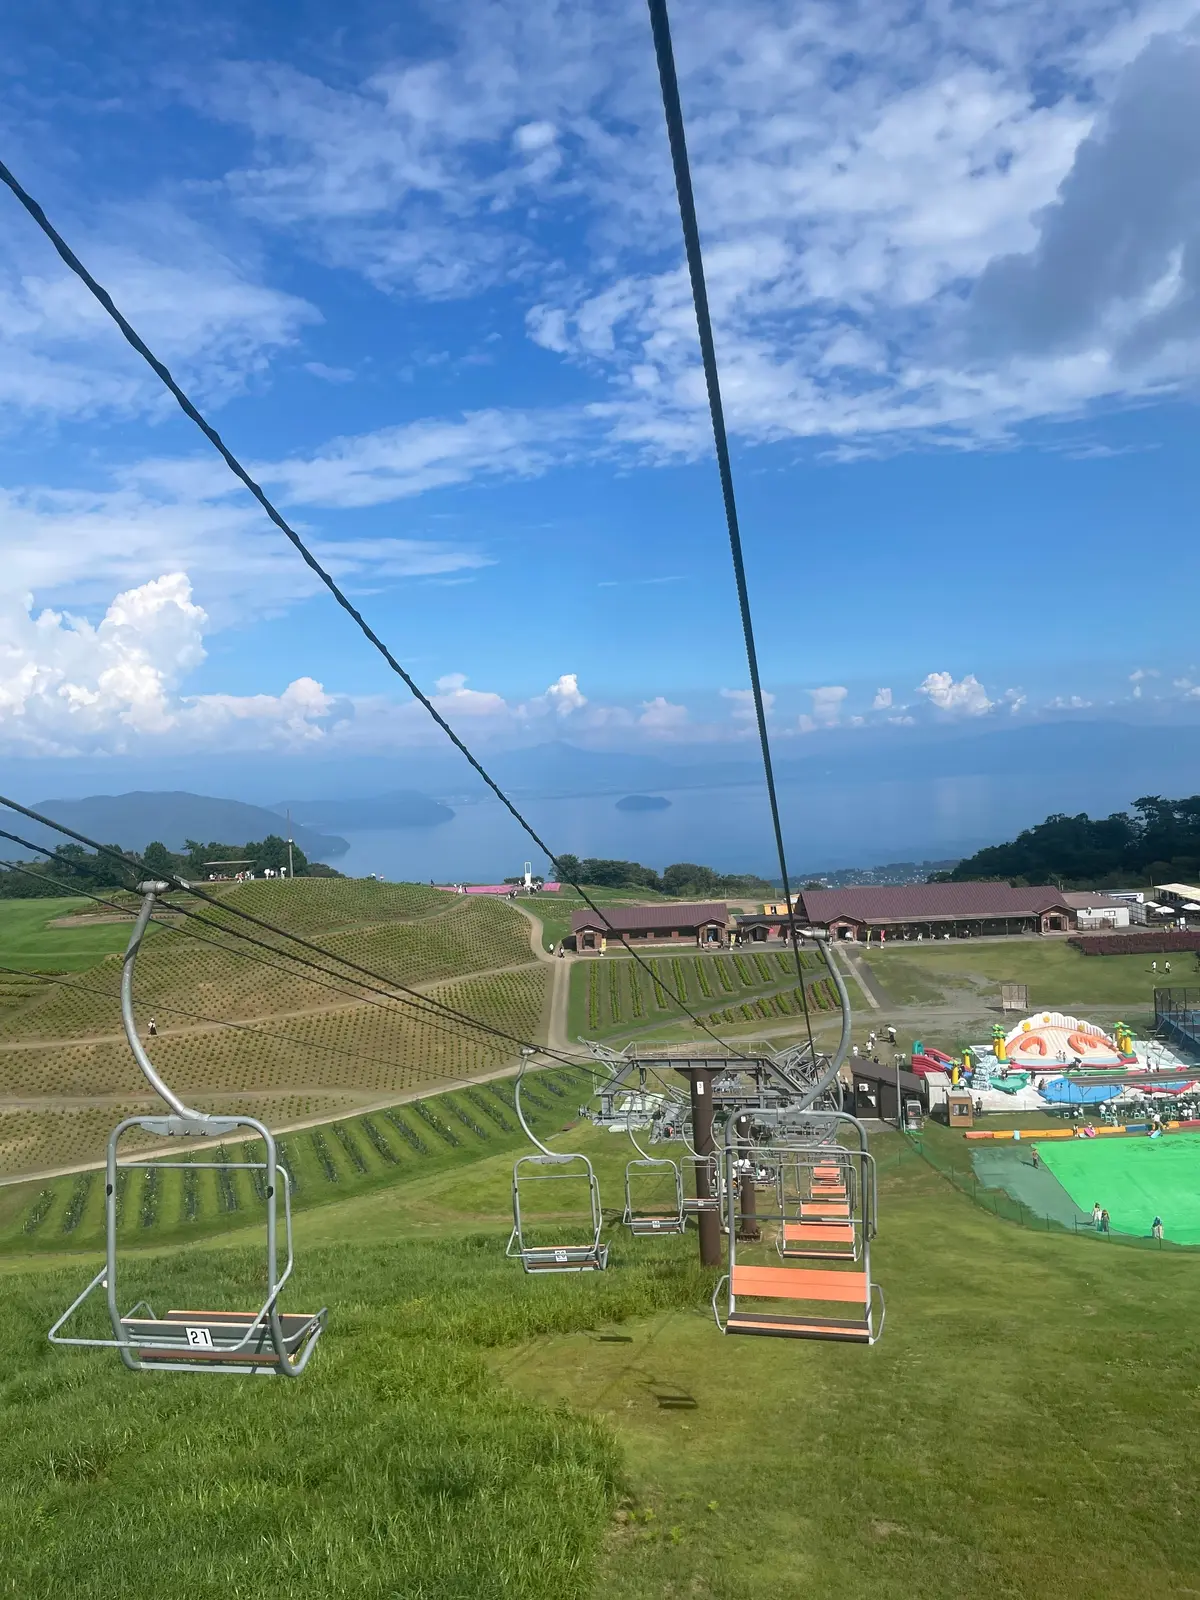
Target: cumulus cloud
[
  {"x": 1115, "y": 271},
  {"x": 68, "y": 687},
  {"x": 661, "y": 716},
  {"x": 967, "y": 697},
  {"x": 743, "y": 703},
  {"x": 882, "y": 700}
]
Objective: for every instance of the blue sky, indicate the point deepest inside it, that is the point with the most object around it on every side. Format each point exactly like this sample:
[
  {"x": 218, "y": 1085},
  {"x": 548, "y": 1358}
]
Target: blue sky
[{"x": 422, "y": 267}]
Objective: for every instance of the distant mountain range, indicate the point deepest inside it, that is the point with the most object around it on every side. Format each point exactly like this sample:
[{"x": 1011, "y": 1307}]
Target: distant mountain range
[{"x": 134, "y": 820}]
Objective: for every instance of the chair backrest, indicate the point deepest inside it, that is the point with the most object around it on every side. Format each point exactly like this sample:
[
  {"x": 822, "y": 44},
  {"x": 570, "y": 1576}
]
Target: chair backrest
[{"x": 800, "y": 1283}]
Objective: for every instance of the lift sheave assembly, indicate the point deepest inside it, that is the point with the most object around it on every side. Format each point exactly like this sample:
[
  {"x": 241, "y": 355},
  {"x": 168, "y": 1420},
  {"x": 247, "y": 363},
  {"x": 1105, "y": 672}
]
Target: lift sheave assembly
[{"x": 266, "y": 1342}]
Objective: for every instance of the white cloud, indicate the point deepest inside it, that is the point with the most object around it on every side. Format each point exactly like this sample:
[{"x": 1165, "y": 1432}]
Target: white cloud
[
  {"x": 563, "y": 696},
  {"x": 661, "y": 715},
  {"x": 882, "y": 700},
  {"x": 743, "y": 703},
  {"x": 966, "y": 698},
  {"x": 198, "y": 309},
  {"x": 68, "y": 688},
  {"x": 1071, "y": 702},
  {"x": 397, "y": 463},
  {"x": 827, "y": 703},
  {"x": 189, "y": 515}
]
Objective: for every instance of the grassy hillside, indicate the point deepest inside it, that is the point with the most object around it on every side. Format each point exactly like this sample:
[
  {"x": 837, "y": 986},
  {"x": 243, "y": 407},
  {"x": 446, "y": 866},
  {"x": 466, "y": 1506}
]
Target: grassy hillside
[
  {"x": 1058, "y": 975},
  {"x": 306, "y": 1046},
  {"x": 331, "y": 1162},
  {"x": 32, "y": 939},
  {"x": 1023, "y": 1428}
]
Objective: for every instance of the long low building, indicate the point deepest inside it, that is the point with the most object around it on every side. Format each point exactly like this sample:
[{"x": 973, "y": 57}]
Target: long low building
[
  {"x": 868, "y": 912},
  {"x": 702, "y": 924}
]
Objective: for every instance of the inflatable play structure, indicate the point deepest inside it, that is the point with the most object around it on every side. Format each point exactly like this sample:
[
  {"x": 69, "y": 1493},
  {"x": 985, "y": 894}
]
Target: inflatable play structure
[
  {"x": 1050, "y": 1039},
  {"x": 1053, "y": 1059}
]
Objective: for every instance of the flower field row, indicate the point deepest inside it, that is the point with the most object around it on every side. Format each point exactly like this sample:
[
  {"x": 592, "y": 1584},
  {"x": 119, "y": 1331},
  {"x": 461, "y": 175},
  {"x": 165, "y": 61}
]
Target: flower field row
[
  {"x": 614, "y": 994},
  {"x": 177, "y": 970},
  {"x": 363, "y": 1051},
  {"x": 323, "y": 1163}
]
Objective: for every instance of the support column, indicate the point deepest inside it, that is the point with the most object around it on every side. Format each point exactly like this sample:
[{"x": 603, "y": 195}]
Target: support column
[{"x": 708, "y": 1223}]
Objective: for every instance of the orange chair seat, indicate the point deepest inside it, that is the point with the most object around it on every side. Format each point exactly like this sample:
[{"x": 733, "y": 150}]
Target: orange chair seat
[
  {"x": 800, "y": 1283},
  {"x": 819, "y": 1232}
]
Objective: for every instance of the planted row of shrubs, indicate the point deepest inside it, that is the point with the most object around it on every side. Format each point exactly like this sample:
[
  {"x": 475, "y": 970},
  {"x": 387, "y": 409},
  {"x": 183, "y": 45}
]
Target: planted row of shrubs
[{"x": 491, "y": 1101}]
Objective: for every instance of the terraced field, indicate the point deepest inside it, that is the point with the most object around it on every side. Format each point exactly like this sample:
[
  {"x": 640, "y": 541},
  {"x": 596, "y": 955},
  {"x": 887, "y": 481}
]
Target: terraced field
[
  {"x": 305, "y": 1046},
  {"x": 612, "y": 996},
  {"x": 178, "y": 973},
  {"x": 332, "y": 1161}
]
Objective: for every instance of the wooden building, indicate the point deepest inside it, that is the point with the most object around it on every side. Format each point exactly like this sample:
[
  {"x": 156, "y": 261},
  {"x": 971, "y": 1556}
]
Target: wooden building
[{"x": 703, "y": 925}]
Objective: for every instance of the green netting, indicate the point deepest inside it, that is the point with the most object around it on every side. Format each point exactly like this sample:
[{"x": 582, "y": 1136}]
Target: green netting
[
  {"x": 1136, "y": 1178},
  {"x": 1011, "y": 1168}
]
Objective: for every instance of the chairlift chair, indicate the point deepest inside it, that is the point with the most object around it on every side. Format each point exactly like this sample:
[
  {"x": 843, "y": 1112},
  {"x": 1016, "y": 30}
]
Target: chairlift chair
[
  {"x": 836, "y": 1300},
  {"x": 656, "y": 1173},
  {"x": 585, "y": 1254},
  {"x": 266, "y": 1342}
]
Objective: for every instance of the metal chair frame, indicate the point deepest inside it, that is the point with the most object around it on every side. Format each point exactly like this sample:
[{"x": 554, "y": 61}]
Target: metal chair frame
[
  {"x": 266, "y": 1342},
  {"x": 642, "y": 1224},
  {"x": 588, "y": 1255}
]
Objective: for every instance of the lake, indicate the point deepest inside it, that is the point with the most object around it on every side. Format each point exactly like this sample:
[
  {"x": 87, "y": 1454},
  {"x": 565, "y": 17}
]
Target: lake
[{"x": 826, "y": 826}]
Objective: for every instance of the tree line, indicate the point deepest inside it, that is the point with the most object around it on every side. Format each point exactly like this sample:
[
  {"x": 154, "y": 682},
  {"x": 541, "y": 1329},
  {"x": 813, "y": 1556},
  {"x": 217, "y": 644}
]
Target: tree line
[
  {"x": 1157, "y": 841},
  {"x": 684, "y": 879},
  {"x": 72, "y": 869}
]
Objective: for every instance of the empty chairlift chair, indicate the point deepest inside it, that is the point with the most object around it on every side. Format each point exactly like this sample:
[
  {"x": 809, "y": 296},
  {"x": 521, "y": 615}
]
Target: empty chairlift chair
[
  {"x": 818, "y": 1218},
  {"x": 836, "y": 1300},
  {"x": 577, "y": 1247},
  {"x": 659, "y": 1205},
  {"x": 654, "y": 1201},
  {"x": 267, "y": 1341}
]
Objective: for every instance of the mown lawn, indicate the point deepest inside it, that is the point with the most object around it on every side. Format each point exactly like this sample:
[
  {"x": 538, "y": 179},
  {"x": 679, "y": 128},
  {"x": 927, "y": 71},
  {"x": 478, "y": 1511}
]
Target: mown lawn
[
  {"x": 29, "y": 942},
  {"x": 1058, "y": 975}
]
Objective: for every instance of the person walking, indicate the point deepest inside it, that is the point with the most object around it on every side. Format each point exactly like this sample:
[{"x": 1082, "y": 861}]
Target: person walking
[
  {"x": 1166, "y": 966},
  {"x": 1096, "y": 1215},
  {"x": 1154, "y": 966},
  {"x": 1156, "y": 1228},
  {"x": 1037, "y": 1159},
  {"x": 1104, "y": 1220},
  {"x": 153, "y": 1029}
]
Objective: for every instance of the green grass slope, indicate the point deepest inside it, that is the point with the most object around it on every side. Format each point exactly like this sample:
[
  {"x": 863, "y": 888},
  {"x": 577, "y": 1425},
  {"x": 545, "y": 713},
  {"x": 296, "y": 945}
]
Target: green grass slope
[
  {"x": 29, "y": 940},
  {"x": 1024, "y": 1428}
]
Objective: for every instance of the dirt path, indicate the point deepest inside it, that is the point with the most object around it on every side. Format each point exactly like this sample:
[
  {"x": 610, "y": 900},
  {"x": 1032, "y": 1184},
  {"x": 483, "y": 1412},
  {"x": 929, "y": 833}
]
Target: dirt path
[
  {"x": 560, "y": 980},
  {"x": 861, "y": 974}
]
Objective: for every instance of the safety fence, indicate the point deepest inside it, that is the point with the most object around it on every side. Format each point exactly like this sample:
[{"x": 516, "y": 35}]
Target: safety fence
[{"x": 957, "y": 1169}]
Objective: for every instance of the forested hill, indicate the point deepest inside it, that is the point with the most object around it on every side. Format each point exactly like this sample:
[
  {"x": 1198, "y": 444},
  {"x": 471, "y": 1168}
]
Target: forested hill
[{"x": 1157, "y": 841}]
